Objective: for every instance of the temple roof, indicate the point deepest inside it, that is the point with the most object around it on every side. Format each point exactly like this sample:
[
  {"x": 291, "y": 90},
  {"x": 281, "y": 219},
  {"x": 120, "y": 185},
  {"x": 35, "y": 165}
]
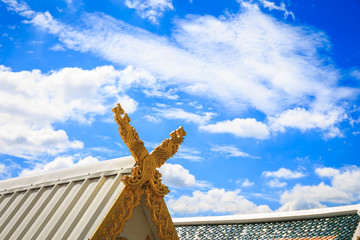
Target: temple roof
[
  {"x": 103, "y": 201},
  {"x": 326, "y": 223},
  {"x": 100, "y": 201},
  {"x": 63, "y": 204}
]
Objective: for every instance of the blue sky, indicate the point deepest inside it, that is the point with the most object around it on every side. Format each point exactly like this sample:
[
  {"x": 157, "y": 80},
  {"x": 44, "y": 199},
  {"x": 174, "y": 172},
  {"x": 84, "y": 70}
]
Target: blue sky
[{"x": 268, "y": 92}]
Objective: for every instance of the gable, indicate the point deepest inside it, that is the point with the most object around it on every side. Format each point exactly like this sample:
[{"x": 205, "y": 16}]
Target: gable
[{"x": 139, "y": 217}]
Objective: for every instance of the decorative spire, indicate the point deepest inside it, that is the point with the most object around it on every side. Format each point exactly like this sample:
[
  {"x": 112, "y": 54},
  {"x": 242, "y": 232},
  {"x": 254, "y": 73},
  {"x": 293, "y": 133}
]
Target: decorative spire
[
  {"x": 145, "y": 180},
  {"x": 129, "y": 134}
]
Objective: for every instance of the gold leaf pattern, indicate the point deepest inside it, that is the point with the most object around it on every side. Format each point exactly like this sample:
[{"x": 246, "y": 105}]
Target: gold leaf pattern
[{"x": 145, "y": 180}]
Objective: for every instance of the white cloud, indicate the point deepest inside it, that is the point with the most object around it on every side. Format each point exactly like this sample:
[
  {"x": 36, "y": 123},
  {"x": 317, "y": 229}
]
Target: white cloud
[
  {"x": 272, "y": 6},
  {"x": 87, "y": 160},
  {"x": 248, "y": 127},
  {"x": 188, "y": 153},
  {"x": 21, "y": 8},
  {"x": 284, "y": 173},
  {"x": 327, "y": 172},
  {"x": 152, "y": 85},
  {"x": 178, "y": 113},
  {"x": 246, "y": 183},
  {"x": 303, "y": 120},
  {"x": 127, "y": 103},
  {"x": 276, "y": 183},
  {"x": 21, "y": 139},
  {"x": 58, "y": 163},
  {"x": 33, "y": 101},
  {"x": 214, "y": 201},
  {"x": 152, "y": 118},
  {"x": 150, "y": 9},
  {"x": 344, "y": 189},
  {"x": 184, "y": 152},
  {"x": 356, "y": 74},
  {"x": 175, "y": 175},
  {"x": 7, "y": 168},
  {"x": 348, "y": 180},
  {"x": 3, "y": 170},
  {"x": 229, "y": 151},
  {"x": 58, "y": 48},
  {"x": 245, "y": 61},
  {"x": 307, "y": 197}
]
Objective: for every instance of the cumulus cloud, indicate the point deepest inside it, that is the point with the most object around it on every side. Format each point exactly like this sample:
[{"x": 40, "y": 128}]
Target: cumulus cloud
[
  {"x": 150, "y": 9},
  {"x": 344, "y": 189},
  {"x": 307, "y": 197},
  {"x": 20, "y": 139},
  {"x": 348, "y": 180},
  {"x": 175, "y": 175},
  {"x": 303, "y": 120},
  {"x": 214, "y": 201},
  {"x": 248, "y": 127},
  {"x": 58, "y": 163},
  {"x": 32, "y": 102},
  {"x": 284, "y": 173},
  {"x": 327, "y": 172}
]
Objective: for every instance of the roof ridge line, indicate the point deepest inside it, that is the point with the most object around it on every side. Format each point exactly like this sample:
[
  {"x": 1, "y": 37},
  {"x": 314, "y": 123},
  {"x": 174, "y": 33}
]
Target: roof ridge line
[
  {"x": 64, "y": 175},
  {"x": 271, "y": 217}
]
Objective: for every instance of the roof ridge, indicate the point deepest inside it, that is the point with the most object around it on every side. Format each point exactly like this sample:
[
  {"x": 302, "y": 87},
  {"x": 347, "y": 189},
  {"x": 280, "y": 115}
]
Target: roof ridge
[
  {"x": 108, "y": 167},
  {"x": 270, "y": 217}
]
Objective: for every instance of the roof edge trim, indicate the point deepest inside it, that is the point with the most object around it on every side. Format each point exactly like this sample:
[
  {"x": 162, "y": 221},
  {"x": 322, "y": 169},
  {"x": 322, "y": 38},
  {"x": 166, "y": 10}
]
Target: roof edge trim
[
  {"x": 108, "y": 167},
  {"x": 270, "y": 217}
]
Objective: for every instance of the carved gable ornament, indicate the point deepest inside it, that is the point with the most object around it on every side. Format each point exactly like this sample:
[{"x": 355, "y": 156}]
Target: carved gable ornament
[{"x": 144, "y": 182}]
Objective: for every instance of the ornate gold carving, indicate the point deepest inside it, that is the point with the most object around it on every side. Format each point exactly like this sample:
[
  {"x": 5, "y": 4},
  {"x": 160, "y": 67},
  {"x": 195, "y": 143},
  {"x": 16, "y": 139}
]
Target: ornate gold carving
[
  {"x": 160, "y": 215},
  {"x": 129, "y": 134},
  {"x": 145, "y": 180}
]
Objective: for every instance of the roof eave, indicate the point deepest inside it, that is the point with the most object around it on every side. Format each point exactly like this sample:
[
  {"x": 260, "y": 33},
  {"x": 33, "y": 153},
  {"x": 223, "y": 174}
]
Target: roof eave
[{"x": 270, "y": 217}]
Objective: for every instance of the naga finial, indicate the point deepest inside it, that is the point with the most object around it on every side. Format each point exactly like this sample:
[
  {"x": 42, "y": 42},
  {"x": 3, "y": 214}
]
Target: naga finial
[
  {"x": 146, "y": 171},
  {"x": 144, "y": 183}
]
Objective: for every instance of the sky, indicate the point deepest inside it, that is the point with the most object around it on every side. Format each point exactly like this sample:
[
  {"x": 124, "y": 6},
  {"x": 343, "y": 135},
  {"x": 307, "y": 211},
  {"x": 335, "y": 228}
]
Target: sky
[{"x": 267, "y": 91}]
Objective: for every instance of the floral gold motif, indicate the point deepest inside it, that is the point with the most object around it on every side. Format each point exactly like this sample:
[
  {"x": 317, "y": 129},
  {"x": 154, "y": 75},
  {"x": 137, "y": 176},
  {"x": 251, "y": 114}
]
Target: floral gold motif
[{"x": 145, "y": 181}]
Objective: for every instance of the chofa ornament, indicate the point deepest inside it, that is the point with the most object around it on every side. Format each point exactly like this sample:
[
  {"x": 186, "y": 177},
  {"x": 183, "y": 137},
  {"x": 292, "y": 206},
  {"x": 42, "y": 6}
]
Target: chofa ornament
[{"x": 145, "y": 181}]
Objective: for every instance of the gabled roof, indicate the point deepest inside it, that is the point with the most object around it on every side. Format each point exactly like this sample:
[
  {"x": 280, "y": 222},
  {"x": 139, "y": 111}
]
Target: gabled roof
[
  {"x": 98, "y": 202},
  {"x": 326, "y": 223},
  {"x": 63, "y": 204}
]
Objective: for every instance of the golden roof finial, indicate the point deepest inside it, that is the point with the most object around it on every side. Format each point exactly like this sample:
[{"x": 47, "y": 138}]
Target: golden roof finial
[{"x": 145, "y": 180}]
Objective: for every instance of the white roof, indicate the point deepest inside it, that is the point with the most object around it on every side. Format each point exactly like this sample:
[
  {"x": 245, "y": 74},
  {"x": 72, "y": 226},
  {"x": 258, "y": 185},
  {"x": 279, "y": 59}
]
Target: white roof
[
  {"x": 270, "y": 217},
  {"x": 64, "y": 204}
]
